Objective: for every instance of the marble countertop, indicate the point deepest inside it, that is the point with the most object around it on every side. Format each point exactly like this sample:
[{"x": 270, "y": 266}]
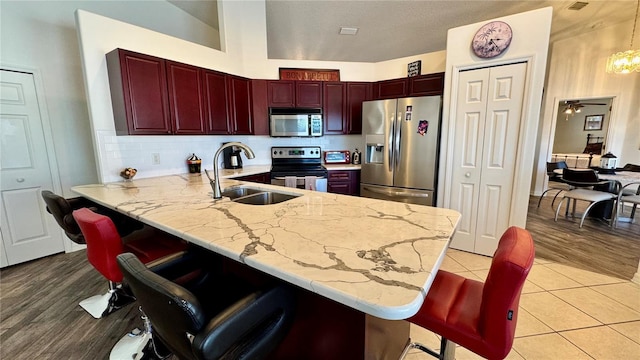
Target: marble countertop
[
  {"x": 376, "y": 256},
  {"x": 244, "y": 171},
  {"x": 342, "y": 167}
]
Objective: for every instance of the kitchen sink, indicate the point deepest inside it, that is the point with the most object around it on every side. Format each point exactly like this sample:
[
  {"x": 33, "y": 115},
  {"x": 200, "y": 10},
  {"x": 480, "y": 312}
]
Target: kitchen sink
[
  {"x": 265, "y": 198},
  {"x": 252, "y": 196},
  {"x": 237, "y": 192}
]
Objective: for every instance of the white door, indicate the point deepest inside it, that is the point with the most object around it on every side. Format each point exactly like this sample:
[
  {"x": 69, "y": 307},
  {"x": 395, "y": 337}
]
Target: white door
[
  {"x": 487, "y": 123},
  {"x": 28, "y": 230}
]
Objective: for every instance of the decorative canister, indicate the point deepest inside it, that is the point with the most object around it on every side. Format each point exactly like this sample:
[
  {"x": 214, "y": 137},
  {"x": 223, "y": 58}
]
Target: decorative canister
[{"x": 194, "y": 164}]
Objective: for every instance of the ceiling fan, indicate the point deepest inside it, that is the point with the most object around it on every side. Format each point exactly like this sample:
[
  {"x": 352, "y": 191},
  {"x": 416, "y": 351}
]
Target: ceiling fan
[{"x": 573, "y": 106}]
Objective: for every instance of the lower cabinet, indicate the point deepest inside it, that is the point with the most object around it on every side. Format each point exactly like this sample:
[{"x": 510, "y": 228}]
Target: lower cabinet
[
  {"x": 263, "y": 178},
  {"x": 345, "y": 182}
]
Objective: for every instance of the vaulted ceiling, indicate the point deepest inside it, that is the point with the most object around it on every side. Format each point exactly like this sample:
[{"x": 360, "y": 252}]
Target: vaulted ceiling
[{"x": 309, "y": 29}]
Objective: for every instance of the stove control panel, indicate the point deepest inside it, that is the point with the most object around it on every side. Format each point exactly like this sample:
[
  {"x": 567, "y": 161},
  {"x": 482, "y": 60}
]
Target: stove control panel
[{"x": 296, "y": 152}]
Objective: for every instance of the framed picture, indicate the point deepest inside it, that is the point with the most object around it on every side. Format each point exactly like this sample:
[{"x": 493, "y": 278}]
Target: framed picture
[{"x": 593, "y": 122}]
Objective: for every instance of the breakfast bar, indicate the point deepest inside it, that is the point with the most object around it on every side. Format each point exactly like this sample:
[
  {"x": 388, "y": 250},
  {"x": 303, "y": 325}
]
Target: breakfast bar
[{"x": 371, "y": 257}]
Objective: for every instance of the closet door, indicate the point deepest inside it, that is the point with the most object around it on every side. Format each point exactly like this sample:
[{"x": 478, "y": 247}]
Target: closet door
[{"x": 488, "y": 117}]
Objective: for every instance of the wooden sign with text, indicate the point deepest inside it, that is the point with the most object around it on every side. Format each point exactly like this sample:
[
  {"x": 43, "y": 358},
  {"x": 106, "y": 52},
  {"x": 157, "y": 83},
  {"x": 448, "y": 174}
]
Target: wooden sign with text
[{"x": 309, "y": 74}]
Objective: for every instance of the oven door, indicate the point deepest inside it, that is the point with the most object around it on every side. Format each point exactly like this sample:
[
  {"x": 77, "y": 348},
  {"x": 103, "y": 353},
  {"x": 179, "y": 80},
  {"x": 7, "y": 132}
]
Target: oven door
[{"x": 317, "y": 183}]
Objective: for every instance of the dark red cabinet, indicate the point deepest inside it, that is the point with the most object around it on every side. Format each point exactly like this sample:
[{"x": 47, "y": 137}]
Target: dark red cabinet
[
  {"x": 345, "y": 182},
  {"x": 239, "y": 105},
  {"x": 424, "y": 85},
  {"x": 390, "y": 89},
  {"x": 342, "y": 106},
  {"x": 357, "y": 92},
  {"x": 259, "y": 107},
  {"x": 334, "y": 109},
  {"x": 421, "y": 85},
  {"x": 262, "y": 178},
  {"x": 138, "y": 93},
  {"x": 215, "y": 102},
  {"x": 289, "y": 93},
  {"x": 186, "y": 102},
  {"x": 309, "y": 94}
]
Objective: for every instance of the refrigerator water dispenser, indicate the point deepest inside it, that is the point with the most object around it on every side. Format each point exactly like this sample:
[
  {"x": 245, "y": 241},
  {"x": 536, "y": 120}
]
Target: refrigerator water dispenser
[{"x": 375, "y": 154}]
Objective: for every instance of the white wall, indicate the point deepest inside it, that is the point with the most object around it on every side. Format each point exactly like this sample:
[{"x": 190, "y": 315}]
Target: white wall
[
  {"x": 570, "y": 136},
  {"x": 41, "y": 35},
  {"x": 527, "y": 45},
  {"x": 577, "y": 71}
]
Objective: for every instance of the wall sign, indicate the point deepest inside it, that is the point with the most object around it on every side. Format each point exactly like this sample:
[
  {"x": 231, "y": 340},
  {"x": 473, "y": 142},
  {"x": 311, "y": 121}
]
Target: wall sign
[
  {"x": 413, "y": 69},
  {"x": 309, "y": 74}
]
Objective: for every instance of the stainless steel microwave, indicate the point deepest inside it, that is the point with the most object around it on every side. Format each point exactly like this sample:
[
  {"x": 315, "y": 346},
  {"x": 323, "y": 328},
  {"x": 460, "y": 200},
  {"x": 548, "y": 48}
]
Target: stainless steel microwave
[{"x": 285, "y": 122}]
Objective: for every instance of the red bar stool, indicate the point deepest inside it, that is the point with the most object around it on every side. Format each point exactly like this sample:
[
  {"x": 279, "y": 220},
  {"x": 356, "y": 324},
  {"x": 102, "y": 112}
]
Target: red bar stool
[
  {"x": 104, "y": 244},
  {"x": 480, "y": 317}
]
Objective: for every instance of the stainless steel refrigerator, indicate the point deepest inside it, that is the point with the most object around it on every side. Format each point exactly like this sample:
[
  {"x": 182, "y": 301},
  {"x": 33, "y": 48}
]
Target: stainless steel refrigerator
[{"x": 401, "y": 141}]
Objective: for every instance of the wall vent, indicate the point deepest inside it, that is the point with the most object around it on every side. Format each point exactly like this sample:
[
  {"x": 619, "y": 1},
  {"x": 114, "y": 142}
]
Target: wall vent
[{"x": 578, "y": 5}]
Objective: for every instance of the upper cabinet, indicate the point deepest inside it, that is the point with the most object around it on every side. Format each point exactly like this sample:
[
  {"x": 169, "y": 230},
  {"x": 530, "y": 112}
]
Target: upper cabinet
[
  {"x": 288, "y": 93},
  {"x": 390, "y": 89},
  {"x": 186, "y": 100},
  {"x": 239, "y": 105},
  {"x": 216, "y": 103},
  {"x": 342, "y": 106},
  {"x": 139, "y": 93},
  {"x": 422, "y": 85},
  {"x": 154, "y": 96}
]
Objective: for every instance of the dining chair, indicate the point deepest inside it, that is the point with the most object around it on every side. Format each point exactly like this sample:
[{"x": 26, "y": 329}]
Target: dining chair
[
  {"x": 624, "y": 198},
  {"x": 555, "y": 180},
  {"x": 583, "y": 182},
  {"x": 480, "y": 317}
]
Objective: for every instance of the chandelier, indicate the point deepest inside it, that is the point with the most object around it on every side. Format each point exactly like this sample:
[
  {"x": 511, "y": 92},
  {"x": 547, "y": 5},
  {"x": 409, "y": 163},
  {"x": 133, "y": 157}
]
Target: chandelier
[{"x": 628, "y": 61}]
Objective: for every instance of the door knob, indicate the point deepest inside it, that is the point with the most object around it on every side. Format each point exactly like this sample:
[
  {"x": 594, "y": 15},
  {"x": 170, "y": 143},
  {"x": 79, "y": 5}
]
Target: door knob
[
  {"x": 20, "y": 180},
  {"x": 468, "y": 175}
]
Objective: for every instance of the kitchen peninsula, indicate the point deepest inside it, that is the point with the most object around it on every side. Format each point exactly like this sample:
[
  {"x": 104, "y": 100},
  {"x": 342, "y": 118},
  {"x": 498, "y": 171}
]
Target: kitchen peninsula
[{"x": 377, "y": 257}]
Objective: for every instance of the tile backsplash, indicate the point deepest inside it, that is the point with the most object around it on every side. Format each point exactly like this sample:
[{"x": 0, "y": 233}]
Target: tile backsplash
[{"x": 139, "y": 152}]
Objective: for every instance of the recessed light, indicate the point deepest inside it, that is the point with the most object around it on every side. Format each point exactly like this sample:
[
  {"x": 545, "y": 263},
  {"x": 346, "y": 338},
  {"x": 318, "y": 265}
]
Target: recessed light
[{"x": 348, "y": 30}]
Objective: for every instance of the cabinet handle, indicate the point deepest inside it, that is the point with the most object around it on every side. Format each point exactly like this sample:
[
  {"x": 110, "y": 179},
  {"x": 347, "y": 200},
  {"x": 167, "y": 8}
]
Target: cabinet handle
[
  {"x": 467, "y": 175},
  {"x": 20, "y": 180}
]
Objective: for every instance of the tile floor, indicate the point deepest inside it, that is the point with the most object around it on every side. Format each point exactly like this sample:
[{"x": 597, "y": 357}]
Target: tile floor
[{"x": 565, "y": 313}]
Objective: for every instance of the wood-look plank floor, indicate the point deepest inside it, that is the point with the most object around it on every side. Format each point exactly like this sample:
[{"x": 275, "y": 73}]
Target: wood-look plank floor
[
  {"x": 595, "y": 247},
  {"x": 40, "y": 317}
]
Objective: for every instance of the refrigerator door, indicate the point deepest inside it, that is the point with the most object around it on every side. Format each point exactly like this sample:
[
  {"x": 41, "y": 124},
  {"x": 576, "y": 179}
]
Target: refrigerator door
[
  {"x": 378, "y": 119},
  {"x": 416, "y": 142},
  {"x": 409, "y": 196}
]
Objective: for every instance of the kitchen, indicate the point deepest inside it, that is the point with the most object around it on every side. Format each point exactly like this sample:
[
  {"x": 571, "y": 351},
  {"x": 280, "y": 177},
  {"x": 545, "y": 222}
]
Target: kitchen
[{"x": 172, "y": 158}]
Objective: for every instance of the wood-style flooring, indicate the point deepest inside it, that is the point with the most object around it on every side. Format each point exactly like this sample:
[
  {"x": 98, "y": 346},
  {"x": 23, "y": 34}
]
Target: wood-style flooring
[
  {"x": 595, "y": 247},
  {"x": 40, "y": 317}
]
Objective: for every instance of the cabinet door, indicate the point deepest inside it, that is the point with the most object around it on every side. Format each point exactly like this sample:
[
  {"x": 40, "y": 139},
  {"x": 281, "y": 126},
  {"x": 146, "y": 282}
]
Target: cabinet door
[
  {"x": 259, "y": 107},
  {"x": 431, "y": 84},
  {"x": 345, "y": 182},
  {"x": 389, "y": 89},
  {"x": 357, "y": 92},
  {"x": 334, "y": 107},
  {"x": 309, "y": 94},
  {"x": 281, "y": 93},
  {"x": 185, "y": 98},
  {"x": 240, "y": 105},
  {"x": 139, "y": 93},
  {"x": 216, "y": 103}
]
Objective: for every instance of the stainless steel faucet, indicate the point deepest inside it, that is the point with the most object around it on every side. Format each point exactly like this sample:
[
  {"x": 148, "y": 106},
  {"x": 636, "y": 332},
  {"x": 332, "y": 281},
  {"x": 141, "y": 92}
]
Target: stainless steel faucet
[{"x": 215, "y": 182}]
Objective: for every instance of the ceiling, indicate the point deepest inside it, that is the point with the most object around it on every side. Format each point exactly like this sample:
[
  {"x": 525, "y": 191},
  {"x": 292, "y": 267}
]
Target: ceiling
[{"x": 308, "y": 29}]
